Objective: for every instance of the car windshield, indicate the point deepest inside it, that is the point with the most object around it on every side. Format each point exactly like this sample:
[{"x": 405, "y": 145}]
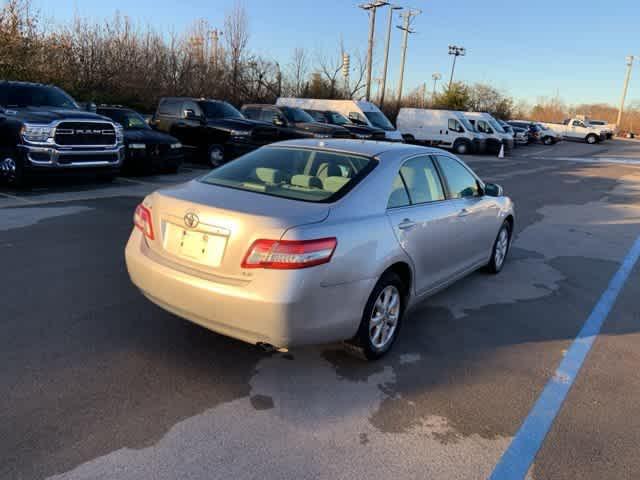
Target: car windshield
[
  {"x": 35, "y": 96},
  {"x": 339, "y": 119},
  {"x": 129, "y": 119},
  {"x": 298, "y": 174},
  {"x": 378, "y": 119},
  {"x": 467, "y": 124},
  {"x": 219, "y": 110},
  {"x": 296, "y": 115},
  {"x": 496, "y": 126}
]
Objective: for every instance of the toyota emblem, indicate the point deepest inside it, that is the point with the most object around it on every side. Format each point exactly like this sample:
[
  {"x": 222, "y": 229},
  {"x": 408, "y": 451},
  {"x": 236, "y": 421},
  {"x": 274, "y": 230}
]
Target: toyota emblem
[{"x": 191, "y": 220}]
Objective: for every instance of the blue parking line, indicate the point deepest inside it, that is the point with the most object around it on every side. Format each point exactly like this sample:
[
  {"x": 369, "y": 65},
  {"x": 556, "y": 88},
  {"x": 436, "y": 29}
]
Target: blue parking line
[{"x": 517, "y": 459}]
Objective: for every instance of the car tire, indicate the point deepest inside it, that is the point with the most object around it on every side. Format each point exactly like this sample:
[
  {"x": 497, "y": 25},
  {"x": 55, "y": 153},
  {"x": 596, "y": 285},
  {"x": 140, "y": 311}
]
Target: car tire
[
  {"x": 500, "y": 249},
  {"x": 12, "y": 169},
  {"x": 390, "y": 289},
  {"x": 409, "y": 138},
  {"x": 461, "y": 147},
  {"x": 215, "y": 156},
  {"x": 591, "y": 139},
  {"x": 547, "y": 140}
]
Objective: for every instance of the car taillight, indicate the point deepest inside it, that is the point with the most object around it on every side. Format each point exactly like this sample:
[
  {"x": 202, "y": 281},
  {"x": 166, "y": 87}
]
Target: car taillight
[
  {"x": 289, "y": 254},
  {"x": 142, "y": 220}
]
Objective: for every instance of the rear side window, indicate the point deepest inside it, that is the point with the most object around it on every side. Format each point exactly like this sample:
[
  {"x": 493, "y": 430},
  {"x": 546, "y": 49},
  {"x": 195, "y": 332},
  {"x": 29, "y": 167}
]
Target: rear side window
[
  {"x": 460, "y": 181},
  {"x": 294, "y": 173},
  {"x": 417, "y": 182},
  {"x": 454, "y": 125},
  {"x": 169, "y": 107}
]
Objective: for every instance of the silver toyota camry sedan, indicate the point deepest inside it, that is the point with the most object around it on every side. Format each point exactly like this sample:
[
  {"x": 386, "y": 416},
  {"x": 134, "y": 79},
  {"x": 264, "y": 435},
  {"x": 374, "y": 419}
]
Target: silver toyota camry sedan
[{"x": 313, "y": 241}]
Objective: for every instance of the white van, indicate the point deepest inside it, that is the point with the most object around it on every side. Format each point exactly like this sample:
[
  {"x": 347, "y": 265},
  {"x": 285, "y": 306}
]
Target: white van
[
  {"x": 496, "y": 135},
  {"x": 358, "y": 111},
  {"x": 440, "y": 128}
]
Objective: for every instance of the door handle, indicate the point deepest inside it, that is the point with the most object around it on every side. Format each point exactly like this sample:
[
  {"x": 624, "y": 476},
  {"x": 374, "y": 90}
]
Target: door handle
[
  {"x": 464, "y": 212},
  {"x": 406, "y": 224}
]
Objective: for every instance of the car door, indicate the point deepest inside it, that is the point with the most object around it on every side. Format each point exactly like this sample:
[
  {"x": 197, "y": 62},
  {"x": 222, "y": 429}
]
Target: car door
[
  {"x": 422, "y": 220},
  {"x": 477, "y": 215},
  {"x": 577, "y": 129},
  {"x": 189, "y": 125}
]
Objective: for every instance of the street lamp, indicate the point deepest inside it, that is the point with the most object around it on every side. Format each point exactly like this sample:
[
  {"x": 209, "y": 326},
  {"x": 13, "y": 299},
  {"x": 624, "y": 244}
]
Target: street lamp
[
  {"x": 436, "y": 77},
  {"x": 371, "y": 7},
  {"x": 456, "y": 51}
]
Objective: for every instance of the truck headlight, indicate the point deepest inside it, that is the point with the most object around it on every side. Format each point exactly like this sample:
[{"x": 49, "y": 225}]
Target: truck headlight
[
  {"x": 176, "y": 145},
  {"x": 119, "y": 134},
  {"x": 36, "y": 133},
  {"x": 137, "y": 146}
]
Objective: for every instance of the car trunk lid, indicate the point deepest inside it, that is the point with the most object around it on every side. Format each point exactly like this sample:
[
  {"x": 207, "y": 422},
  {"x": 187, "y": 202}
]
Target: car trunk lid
[{"x": 210, "y": 228}]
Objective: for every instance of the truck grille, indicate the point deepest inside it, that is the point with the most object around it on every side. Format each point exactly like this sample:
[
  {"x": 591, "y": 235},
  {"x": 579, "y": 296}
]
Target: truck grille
[
  {"x": 65, "y": 159},
  {"x": 85, "y": 134}
]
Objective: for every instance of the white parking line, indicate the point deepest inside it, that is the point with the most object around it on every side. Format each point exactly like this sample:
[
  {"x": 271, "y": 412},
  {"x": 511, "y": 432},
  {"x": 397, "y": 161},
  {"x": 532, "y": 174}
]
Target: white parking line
[{"x": 617, "y": 160}]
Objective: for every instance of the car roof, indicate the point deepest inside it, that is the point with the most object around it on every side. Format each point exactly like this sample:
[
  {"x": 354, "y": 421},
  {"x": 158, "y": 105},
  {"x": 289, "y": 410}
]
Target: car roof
[{"x": 367, "y": 148}]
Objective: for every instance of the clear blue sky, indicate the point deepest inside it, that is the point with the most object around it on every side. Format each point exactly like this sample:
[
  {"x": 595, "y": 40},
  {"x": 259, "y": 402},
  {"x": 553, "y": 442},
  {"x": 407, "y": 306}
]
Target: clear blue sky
[{"x": 527, "y": 48}]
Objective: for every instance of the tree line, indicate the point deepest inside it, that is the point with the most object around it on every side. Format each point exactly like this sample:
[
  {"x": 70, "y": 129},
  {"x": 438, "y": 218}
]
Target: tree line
[{"x": 117, "y": 61}]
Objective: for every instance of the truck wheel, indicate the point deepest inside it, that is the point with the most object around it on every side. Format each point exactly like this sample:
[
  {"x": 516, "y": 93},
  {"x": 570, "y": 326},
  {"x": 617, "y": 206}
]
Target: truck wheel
[
  {"x": 12, "y": 169},
  {"x": 591, "y": 139},
  {"x": 408, "y": 138},
  {"x": 461, "y": 147},
  {"x": 215, "y": 156}
]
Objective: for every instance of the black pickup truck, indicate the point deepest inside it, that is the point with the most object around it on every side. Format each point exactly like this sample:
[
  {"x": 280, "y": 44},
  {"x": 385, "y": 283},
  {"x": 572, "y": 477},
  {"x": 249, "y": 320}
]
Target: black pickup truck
[
  {"x": 211, "y": 129},
  {"x": 44, "y": 131}
]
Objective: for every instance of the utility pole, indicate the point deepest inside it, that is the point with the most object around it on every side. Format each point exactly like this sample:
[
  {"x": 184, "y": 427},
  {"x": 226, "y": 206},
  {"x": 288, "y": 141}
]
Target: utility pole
[
  {"x": 624, "y": 89},
  {"x": 456, "y": 52},
  {"x": 436, "y": 76},
  {"x": 408, "y": 18},
  {"x": 386, "y": 53},
  {"x": 371, "y": 7}
]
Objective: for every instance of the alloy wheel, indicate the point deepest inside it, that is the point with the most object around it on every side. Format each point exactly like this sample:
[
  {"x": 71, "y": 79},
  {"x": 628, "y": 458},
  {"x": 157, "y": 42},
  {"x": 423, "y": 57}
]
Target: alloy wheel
[
  {"x": 385, "y": 316},
  {"x": 502, "y": 246},
  {"x": 8, "y": 168}
]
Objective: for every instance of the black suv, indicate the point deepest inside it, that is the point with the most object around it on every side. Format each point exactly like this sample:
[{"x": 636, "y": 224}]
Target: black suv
[
  {"x": 146, "y": 149},
  {"x": 363, "y": 132},
  {"x": 43, "y": 130},
  {"x": 211, "y": 129},
  {"x": 294, "y": 122}
]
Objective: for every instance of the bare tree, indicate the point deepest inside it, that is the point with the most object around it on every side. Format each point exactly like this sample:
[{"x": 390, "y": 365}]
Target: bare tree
[
  {"x": 237, "y": 37},
  {"x": 299, "y": 70}
]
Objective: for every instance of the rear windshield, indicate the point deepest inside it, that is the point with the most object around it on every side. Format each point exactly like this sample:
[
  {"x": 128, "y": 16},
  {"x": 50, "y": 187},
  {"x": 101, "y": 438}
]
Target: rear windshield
[{"x": 299, "y": 174}]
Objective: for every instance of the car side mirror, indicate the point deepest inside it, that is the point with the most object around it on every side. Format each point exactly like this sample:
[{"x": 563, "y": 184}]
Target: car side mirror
[
  {"x": 190, "y": 114},
  {"x": 493, "y": 190},
  {"x": 278, "y": 120},
  {"x": 89, "y": 107}
]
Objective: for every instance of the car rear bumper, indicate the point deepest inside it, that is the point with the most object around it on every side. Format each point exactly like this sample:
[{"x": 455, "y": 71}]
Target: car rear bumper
[
  {"x": 283, "y": 309},
  {"x": 144, "y": 158}
]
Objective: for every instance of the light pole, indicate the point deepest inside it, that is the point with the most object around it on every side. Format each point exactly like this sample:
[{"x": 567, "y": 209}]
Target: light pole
[
  {"x": 436, "y": 76},
  {"x": 386, "y": 52},
  {"x": 406, "y": 30},
  {"x": 624, "y": 89},
  {"x": 371, "y": 7},
  {"x": 456, "y": 52}
]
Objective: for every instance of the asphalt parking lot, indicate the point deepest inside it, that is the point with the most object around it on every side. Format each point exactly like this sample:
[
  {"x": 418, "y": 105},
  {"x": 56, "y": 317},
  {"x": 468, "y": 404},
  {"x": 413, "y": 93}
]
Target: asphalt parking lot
[{"x": 98, "y": 383}]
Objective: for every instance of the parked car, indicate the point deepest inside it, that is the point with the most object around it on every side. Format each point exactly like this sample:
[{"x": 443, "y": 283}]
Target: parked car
[
  {"x": 147, "y": 150},
  {"x": 533, "y": 129},
  {"x": 359, "y": 112},
  {"x": 363, "y": 132},
  {"x": 43, "y": 131},
  {"x": 521, "y": 135},
  {"x": 307, "y": 241},
  {"x": 442, "y": 128},
  {"x": 211, "y": 129},
  {"x": 546, "y": 135},
  {"x": 497, "y": 138},
  {"x": 578, "y": 129},
  {"x": 294, "y": 122}
]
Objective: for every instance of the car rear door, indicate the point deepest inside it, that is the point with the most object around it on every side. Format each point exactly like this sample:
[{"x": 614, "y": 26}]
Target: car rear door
[
  {"x": 422, "y": 221},
  {"x": 476, "y": 226}
]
